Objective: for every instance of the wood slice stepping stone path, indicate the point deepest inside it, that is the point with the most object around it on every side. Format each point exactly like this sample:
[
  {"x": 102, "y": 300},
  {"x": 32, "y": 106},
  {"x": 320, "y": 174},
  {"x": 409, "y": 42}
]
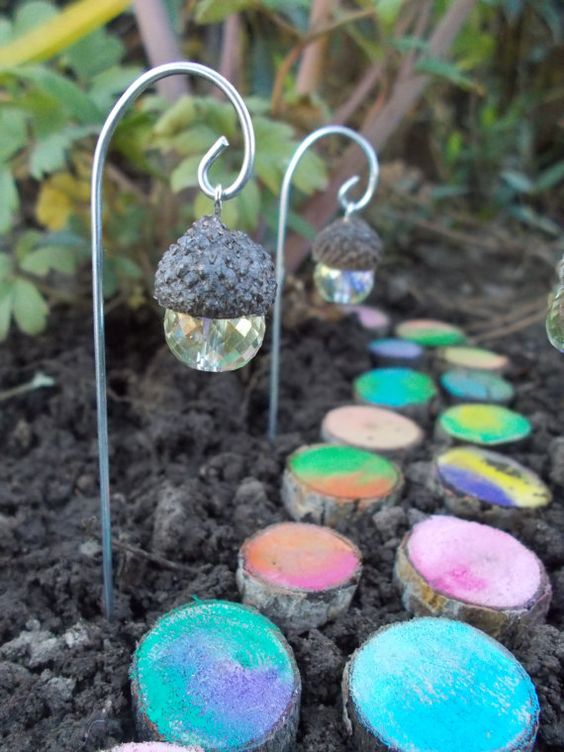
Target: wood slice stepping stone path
[
  {"x": 299, "y": 575},
  {"x": 395, "y": 352},
  {"x": 474, "y": 573},
  {"x": 153, "y": 747},
  {"x": 472, "y": 358},
  {"x": 332, "y": 484},
  {"x": 430, "y": 333},
  {"x": 217, "y": 675},
  {"x": 370, "y": 318},
  {"x": 402, "y": 389},
  {"x": 476, "y": 386},
  {"x": 374, "y": 429},
  {"x": 474, "y": 481},
  {"x": 488, "y": 425},
  {"x": 440, "y": 685}
]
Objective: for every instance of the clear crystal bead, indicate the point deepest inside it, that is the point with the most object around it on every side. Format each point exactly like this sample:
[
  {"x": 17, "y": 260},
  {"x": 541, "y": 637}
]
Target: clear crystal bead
[
  {"x": 342, "y": 285},
  {"x": 213, "y": 344},
  {"x": 555, "y": 320}
]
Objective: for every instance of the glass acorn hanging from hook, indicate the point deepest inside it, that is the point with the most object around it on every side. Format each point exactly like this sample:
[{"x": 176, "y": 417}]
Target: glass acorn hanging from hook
[
  {"x": 216, "y": 285},
  {"x": 555, "y": 315},
  {"x": 346, "y": 253}
]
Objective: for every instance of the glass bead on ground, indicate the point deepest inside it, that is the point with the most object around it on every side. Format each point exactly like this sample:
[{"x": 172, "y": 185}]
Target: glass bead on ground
[
  {"x": 213, "y": 344},
  {"x": 342, "y": 285}
]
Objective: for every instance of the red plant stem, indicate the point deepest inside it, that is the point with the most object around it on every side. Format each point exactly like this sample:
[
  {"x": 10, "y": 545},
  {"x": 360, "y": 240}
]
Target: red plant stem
[
  {"x": 230, "y": 64},
  {"x": 379, "y": 127},
  {"x": 311, "y": 65}
]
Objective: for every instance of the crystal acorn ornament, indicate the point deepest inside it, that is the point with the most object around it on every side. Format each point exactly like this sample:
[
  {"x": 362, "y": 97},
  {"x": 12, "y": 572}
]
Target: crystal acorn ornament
[
  {"x": 555, "y": 315},
  {"x": 346, "y": 253},
  {"x": 216, "y": 285}
]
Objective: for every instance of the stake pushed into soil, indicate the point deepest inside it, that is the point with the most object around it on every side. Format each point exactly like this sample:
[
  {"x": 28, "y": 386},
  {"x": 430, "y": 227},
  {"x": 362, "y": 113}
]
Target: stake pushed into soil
[
  {"x": 330, "y": 484},
  {"x": 465, "y": 385},
  {"x": 487, "y": 425},
  {"x": 393, "y": 351},
  {"x": 430, "y": 333},
  {"x": 438, "y": 684},
  {"x": 403, "y": 389},
  {"x": 299, "y": 575},
  {"x": 478, "y": 483},
  {"x": 349, "y": 206},
  {"x": 128, "y": 97},
  {"x": 474, "y": 573},
  {"x": 218, "y": 675},
  {"x": 471, "y": 358}
]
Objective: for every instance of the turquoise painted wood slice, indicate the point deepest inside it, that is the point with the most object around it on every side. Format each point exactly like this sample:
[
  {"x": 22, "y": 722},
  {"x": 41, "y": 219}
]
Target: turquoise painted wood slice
[
  {"x": 440, "y": 685},
  {"x": 217, "y": 675}
]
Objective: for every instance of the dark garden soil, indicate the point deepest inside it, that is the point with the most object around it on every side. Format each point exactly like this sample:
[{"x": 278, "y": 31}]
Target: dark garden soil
[{"x": 192, "y": 476}]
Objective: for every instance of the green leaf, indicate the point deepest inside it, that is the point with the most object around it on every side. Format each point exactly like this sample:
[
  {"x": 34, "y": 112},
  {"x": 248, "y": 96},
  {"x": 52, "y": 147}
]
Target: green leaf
[
  {"x": 125, "y": 267},
  {"x": 13, "y": 130},
  {"x": 176, "y": 118},
  {"x": 32, "y": 14},
  {"x": 388, "y": 10},
  {"x": 6, "y": 265},
  {"x": 203, "y": 206},
  {"x": 186, "y": 174},
  {"x": 30, "y": 308},
  {"x": 550, "y": 177},
  {"x": 410, "y": 44},
  {"x": 6, "y": 302},
  {"x": 48, "y": 154},
  {"x": 6, "y": 30},
  {"x": 194, "y": 140},
  {"x": 248, "y": 205},
  {"x": 110, "y": 83},
  {"x": 446, "y": 70},
  {"x": 517, "y": 180},
  {"x": 212, "y": 11},
  {"x": 529, "y": 216},
  {"x": 70, "y": 98},
  {"x": 94, "y": 53},
  {"x": 311, "y": 174},
  {"x": 9, "y": 201},
  {"x": 42, "y": 260}
]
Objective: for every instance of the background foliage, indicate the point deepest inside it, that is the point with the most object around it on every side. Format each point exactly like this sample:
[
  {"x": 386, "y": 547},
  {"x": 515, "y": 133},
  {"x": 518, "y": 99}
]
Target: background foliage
[{"x": 486, "y": 139}]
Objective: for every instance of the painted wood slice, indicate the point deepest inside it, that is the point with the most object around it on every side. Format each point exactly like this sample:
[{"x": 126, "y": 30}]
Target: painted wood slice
[
  {"x": 474, "y": 481},
  {"x": 474, "y": 573},
  {"x": 218, "y": 675},
  {"x": 402, "y": 389},
  {"x": 441, "y": 685},
  {"x": 331, "y": 484},
  {"x": 463, "y": 385},
  {"x": 488, "y": 425},
  {"x": 299, "y": 575},
  {"x": 153, "y": 747},
  {"x": 430, "y": 333},
  {"x": 472, "y": 358},
  {"x": 395, "y": 352},
  {"x": 372, "y": 428},
  {"x": 370, "y": 318}
]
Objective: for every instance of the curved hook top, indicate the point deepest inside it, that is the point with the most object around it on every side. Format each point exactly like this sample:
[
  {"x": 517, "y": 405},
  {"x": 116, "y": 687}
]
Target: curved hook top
[{"x": 169, "y": 69}]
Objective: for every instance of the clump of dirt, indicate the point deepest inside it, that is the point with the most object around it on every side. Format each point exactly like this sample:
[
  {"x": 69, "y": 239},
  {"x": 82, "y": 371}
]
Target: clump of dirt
[{"x": 192, "y": 476}]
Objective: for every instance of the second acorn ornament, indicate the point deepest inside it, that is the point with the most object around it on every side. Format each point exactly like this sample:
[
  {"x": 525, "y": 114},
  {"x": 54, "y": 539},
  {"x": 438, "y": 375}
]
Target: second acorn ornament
[{"x": 346, "y": 253}]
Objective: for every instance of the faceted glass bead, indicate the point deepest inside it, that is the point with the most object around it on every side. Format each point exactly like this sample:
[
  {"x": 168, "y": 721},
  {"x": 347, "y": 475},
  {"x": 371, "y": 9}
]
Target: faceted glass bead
[
  {"x": 213, "y": 344},
  {"x": 342, "y": 285},
  {"x": 555, "y": 320}
]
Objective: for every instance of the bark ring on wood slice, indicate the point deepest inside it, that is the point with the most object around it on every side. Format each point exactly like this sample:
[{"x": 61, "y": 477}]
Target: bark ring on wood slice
[
  {"x": 153, "y": 747},
  {"x": 374, "y": 429},
  {"x": 487, "y": 425},
  {"x": 478, "y": 483},
  {"x": 370, "y": 318},
  {"x": 464, "y": 385},
  {"x": 392, "y": 351},
  {"x": 218, "y": 675},
  {"x": 300, "y": 575},
  {"x": 471, "y": 358},
  {"x": 430, "y": 333},
  {"x": 474, "y": 573},
  {"x": 402, "y": 389},
  {"x": 331, "y": 484},
  {"x": 441, "y": 685}
]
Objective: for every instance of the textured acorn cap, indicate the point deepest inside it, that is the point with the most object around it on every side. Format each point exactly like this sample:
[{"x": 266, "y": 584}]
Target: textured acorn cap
[
  {"x": 348, "y": 243},
  {"x": 217, "y": 273}
]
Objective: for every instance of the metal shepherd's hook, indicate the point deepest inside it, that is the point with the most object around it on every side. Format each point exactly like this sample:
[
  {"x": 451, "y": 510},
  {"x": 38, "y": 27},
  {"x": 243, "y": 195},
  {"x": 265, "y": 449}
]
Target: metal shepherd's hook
[
  {"x": 349, "y": 208},
  {"x": 128, "y": 97}
]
